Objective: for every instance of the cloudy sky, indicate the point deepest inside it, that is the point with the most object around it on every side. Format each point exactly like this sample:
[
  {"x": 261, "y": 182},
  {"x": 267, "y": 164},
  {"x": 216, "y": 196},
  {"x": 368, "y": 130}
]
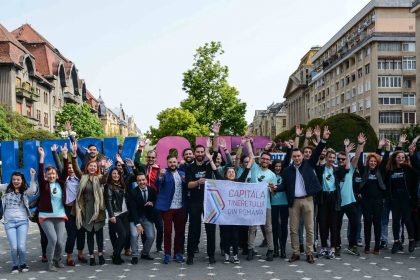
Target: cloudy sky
[{"x": 136, "y": 51}]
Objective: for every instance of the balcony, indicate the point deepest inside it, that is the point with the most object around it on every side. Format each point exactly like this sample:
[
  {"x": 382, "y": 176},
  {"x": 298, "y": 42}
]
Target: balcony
[
  {"x": 72, "y": 98},
  {"x": 28, "y": 94}
]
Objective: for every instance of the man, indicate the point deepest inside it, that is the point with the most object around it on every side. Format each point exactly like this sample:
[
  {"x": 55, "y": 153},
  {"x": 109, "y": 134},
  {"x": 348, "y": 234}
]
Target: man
[
  {"x": 140, "y": 202},
  {"x": 170, "y": 202},
  {"x": 300, "y": 184},
  {"x": 188, "y": 158}
]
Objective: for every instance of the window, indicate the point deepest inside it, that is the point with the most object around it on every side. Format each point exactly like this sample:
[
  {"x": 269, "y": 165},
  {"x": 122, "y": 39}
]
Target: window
[
  {"x": 389, "y": 47},
  {"x": 18, "y": 83},
  {"x": 347, "y": 95},
  {"x": 28, "y": 111},
  {"x": 390, "y": 134},
  {"x": 367, "y": 51},
  {"x": 367, "y": 85},
  {"x": 389, "y": 117},
  {"x": 407, "y": 84},
  {"x": 367, "y": 102},
  {"x": 284, "y": 122},
  {"x": 360, "y": 88},
  {"x": 360, "y": 105},
  {"x": 337, "y": 99},
  {"x": 389, "y": 81},
  {"x": 45, "y": 97},
  {"x": 53, "y": 102},
  {"x": 409, "y": 63},
  {"x": 347, "y": 80},
  {"x": 19, "y": 107},
  {"x": 353, "y": 92},
  {"x": 409, "y": 99},
  {"x": 353, "y": 77},
  {"x": 359, "y": 73},
  {"x": 353, "y": 107},
  {"x": 367, "y": 69},
  {"x": 341, "y": 83},
  {"x": 409, "y": 117},
  {"x": 45, "y": 118},
  {"x": 38, "y": 115},
  {"x": 389, "y": 99},
  {"x": 409, "y": 47},
  {"x": 389, "y": 64}
]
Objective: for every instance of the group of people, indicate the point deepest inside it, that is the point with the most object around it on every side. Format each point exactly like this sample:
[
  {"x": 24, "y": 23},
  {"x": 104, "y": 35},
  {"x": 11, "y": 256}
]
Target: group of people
[{"x": 311, "y": 188}]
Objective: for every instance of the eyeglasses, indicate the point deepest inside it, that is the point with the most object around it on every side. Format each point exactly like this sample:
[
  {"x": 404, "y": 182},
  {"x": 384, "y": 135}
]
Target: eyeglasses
[
  {"x": 341, "y": 159},
  {"x": 151, "y": 157},
  {"x": 265, "y": 158}
]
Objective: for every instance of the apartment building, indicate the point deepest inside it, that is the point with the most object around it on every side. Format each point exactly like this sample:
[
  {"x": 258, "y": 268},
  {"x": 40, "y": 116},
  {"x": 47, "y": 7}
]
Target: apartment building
[
  {"x": 270, "y": 122},
  {"x": 369, "y": 68}
]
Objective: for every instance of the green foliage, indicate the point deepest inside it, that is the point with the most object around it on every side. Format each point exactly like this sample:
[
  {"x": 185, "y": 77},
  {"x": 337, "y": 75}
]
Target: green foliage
[
  {"x": 6, "y": 131},
  {"x": 177, "y": 122},
  {"x": 210, "y": 97},
  {"x": 84, "y": 122},
  {"x": 314, "y": 122},
  {"x": 37, "y": 134},
  {"x": 412, "y": 131}
]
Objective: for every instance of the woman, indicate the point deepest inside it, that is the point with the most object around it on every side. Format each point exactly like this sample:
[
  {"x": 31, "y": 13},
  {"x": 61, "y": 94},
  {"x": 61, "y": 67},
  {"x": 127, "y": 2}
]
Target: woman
[
  {"x": 90, "y": 204},
  {"x": 115, "y": 202},
  {"x": 372, "y": 194},
  {"x": 401, "y": 185},
  {"x": 52, "y": 216},
  {"x": 16, "y": 212}
]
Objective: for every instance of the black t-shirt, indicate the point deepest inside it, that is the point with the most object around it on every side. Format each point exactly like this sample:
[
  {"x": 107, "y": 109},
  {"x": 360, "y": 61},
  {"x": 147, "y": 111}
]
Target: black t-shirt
[
  {"x": 195, "y": 172},
  {"x": 357, "y": 179},
  {"x": 371, "y": 189},
  {"x": 397, "y": 179}
]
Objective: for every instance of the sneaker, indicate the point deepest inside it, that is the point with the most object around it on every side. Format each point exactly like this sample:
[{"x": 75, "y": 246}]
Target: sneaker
[
  {"x": 102, "y": 260},
  {"x": 212, "y": 260},
  {"x": 159, "y": 249},
  {"x": 359, "y": 243},
  {"x": 395, "y": 247},
  {"x": 383, "y": 245},
  {"x": 116, "y": 260},
  {"x": 353, "y": 251},
  {"x": 227, "y": 258},
  {"x": 236, "y": 259},
  {"x": 52, "y": 268},
  {"x": 24, "y": 268},
  {"x": 330, "y": 254},
  {"x": 338, "y": 251},
  {"x": 190, "y": 260},
  {"x": 134, "y": 260},
  {"x": 58, "y": 264},
  {"x": 92, "y": 261},
  {"x": 269, "y": 257},
  {"x": 166, "y": 259},
  {"x": 179, "y": 258},
  {"x": 323, "y": 253},
  {"x": 15, "y": 270},
  {"x": 250, "y": 256},
  {"x": 411, "y": 246}
]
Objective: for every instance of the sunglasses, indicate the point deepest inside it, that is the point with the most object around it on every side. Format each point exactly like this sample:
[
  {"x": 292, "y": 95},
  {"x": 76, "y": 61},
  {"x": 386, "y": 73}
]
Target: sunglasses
[
  {"x": 151, "y": 157},
  {"x": 341, "y": 159}
]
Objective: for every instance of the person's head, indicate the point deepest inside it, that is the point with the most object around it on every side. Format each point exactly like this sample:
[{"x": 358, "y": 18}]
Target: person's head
[
  {"x": 219, "y": 160},
  {"x": 151, "y": 157},
  {"x": 188, "y": 155},
  {"x": 323, "y": 154},
  {"x": 233, "y": 157},
  {"x": 230, "y": 173},
  {"x": 199, "y": 153},
  {"x": 330, "y": 156},
  {"x": 172, "y": 162},
  {"x": 115, "y": 178},
  {"x": 276, "y": 166},
  {"x": 70, "y": 169},
  {"x": 119, "y": 166},
  {"x": 244, "y": 160},
  {"x": 51, "y": 174},
  {"x": 372, "y": 161},
  {"x": 297, "y": 156},
  {"x": 93, "y": 150},
  {"x": 265, "y": 160},
  {"x": 92, "y": 168},
  {"x": 17, "y": 183},
  {"x": 141, "y": 180},
  {"x": 397, "y": 160},
  {"x": 342, "y": 158},
  {"x": 307, "y": 152}
]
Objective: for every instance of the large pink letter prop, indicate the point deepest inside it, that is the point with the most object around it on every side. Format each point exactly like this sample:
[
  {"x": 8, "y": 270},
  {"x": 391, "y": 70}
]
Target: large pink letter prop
[{"x": 168, "y": 143}]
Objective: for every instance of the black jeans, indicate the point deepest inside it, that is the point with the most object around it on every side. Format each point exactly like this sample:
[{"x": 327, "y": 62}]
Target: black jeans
[
  {"x": 279, "y": 220},
  {"x": 243, "y": 237},
  {"x": 194, "y": 228},
  {"x": 372, "y": 214},
  {"x": 230, "y": 236},
  {"x": 401, "y": 209},
  {"x": 157, "y": 220},
  {"x": 211, "y": 239},
  {"x": 73, "y": 233},
  {"x": 351, "y": 212},
  {"x": 328, "y": 217},
  {"x": 91, "y": 240},
  {"x": 118, "y": 233}
]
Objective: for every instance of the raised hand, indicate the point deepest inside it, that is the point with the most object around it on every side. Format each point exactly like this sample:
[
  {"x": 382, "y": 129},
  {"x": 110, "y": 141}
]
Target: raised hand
[
  {"x": 350, "y": 147},
  {"x": 382, "y": 143},
  {"x": 244, "y": 140},
  {"x": 208, "y": 143},
  {"x": 416, "y": 139},
  {"x": 108, "y": 163},
  {"x": 403, "y": 139},
  {"x": 64, "y": 150},
  {"x": 41, "y": 152},
  {"x": 268, "y": 146},
  {"x": 317, "y": 132},
  {"x": 326, "y": 134},
  {"x": 67, "y": 126},
  {"x": 32, "y": 172},
  {"x": 222, "y": 143},
  {"x": 215, "y": 127},
  {"x": 412, "y": 149},
  {"x": 346, "y": 142},
  {"x": 361, "y": 138},
  {"x": 119, "y": 159},
  {"x": 309, "y": 132},
  {"x": 248, "y": 132},
  {"x": 129, "y": 162},
  {"x": 74, "y": 148},
  {"x": 54, "y": 148},
  {"x": 298, "y": 130},
  {"x": 142, "y": 143}
]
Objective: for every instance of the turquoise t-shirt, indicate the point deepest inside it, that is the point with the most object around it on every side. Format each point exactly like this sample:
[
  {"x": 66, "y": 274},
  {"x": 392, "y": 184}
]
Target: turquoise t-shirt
[
  {"x": 279, "y": 198},
  {"x": 56, "y": 202},
  {"x": 347, "y": 194},
  {"x": 267, "y": 176},
  {"x": 328, "y": 180}
]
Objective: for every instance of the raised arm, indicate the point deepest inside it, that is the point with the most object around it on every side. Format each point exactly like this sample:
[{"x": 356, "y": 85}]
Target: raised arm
[
  {"x": 56, "y": 158},
  {"x": 361, "y": 139},
  {"x": 65, "y": 173},
  {"x": 299, "y": 133},
  {"x": 104, "y": 177},
  {"x": 41, "y": 178},
  {"x": 74, "y": 162},
  {"x": 287, "y": 158},
  {"x": 321, "y": 145},
  {"x": 308, "y": 136},
  {"x": 32, "y": 185}
]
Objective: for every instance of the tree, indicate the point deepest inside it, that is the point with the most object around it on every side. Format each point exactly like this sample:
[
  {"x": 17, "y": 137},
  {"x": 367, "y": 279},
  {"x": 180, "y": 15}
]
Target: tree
[
  {"x": 176, "y": 122},
  {"x": 84, "y": 122},
  {"x": 412, "y": 131},
  {"x": 210, "y": 97}
]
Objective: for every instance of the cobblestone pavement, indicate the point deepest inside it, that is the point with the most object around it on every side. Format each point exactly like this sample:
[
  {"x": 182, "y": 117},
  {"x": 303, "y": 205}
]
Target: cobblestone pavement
[{"x": 385, "y": 266}]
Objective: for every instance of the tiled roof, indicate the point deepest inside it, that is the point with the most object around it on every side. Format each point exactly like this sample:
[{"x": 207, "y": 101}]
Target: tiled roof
[{"x": 11, "y": 50}]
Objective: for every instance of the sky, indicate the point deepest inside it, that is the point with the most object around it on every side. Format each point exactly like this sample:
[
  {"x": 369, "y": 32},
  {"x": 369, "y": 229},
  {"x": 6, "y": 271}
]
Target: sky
[{"x": 136, "y": 51}]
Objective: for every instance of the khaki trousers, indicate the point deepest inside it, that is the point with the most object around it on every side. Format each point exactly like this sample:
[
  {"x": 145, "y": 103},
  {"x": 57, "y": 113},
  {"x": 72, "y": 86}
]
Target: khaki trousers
[
  {"x": 268, "y": 232},
  {"x": 302, "y": 207}
]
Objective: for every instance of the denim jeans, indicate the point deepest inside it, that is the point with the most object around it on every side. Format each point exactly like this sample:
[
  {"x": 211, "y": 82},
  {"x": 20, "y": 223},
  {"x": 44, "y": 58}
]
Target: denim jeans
[
  {"x": 55, "y": 231},
  {"x": 149, "y": 231},
  {"x": 16, "y": 232}
]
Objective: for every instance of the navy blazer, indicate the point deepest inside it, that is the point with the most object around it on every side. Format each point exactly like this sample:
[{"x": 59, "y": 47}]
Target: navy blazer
[
  {"x": 166, "y": 186},
  {"x": 135, "y": 204}
]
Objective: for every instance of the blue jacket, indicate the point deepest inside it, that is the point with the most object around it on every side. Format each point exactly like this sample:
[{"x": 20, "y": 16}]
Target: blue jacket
[{"x": 166, "y": 186}]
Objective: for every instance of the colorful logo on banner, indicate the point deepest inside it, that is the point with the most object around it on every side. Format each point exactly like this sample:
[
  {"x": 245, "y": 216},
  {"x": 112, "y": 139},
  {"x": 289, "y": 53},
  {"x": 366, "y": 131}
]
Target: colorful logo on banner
[{"x": 218, "y": 203}]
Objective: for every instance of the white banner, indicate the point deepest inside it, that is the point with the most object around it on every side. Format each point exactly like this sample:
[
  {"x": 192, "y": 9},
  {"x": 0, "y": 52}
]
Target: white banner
[{"x": 231, "y": 203}]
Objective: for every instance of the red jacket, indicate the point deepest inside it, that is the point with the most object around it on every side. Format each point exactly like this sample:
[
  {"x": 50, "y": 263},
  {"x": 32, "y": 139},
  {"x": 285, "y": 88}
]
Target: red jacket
[{"x": 152, "y": 172}]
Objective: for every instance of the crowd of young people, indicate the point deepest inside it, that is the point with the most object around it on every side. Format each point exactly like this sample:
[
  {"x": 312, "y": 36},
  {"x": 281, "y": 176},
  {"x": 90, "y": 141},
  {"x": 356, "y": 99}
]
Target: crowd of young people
[{"x": 309, "y": 190}]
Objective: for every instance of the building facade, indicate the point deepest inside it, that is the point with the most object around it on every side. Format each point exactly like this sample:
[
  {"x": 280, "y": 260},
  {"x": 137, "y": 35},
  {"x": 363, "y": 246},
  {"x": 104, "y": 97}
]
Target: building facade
[
  {"x": 270, "y": 122},
  {"x": 369, "y": 68}
]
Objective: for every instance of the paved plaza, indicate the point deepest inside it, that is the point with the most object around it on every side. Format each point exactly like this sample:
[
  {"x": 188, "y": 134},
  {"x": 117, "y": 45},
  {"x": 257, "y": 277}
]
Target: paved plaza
[{"x": 385, "y": 266}]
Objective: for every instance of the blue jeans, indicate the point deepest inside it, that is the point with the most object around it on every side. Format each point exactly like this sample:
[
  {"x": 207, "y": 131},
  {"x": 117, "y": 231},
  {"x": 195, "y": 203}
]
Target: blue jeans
[
  {"x": 16, "y": 232},
  {"x": 149, "y": 231}
]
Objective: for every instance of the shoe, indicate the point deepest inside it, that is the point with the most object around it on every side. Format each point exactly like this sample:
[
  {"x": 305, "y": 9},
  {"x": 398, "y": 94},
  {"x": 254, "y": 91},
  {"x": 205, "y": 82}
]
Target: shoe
[
  {"x": 147, "y": 257},
  {"x": 190, "y": 260},
  {"x": 282, "y": 253},
  {"x": 353, "y": 251},
  {"x": 24, "y": 268},
  {"x": 82, "y": 259},
  {"x": 92, "y": 261},
  {"x": 383, "y": 245},
  {"x": 330, "y": 254},
  {"x": 411, "y": 246},
  {"x": 375, "y": 251},
  {"x": 166, "y": 259},
  {"x": 276, "y": 254},
  {"x": 338, "y": 251},
  {"x": 301, "y": 249},
  {"x": 102, "y": 260},
  {"x": 44, "y": 259},
  {"x": 58, "y": 264},
  {"x": 263, "y": 244},
  {"x": 134, "y": 260},
  {"x": 269, "y": 257},
  {"x": 359, "y": 243},
  {"x": 127, "y": 253},
  {"x": 116, "y": 260},
  {"x": 236, "y": 259},
  {"x": 179, "y": 258},
  {"x": 227, "y": 258},
  {"x": 367, "y": 250},
  {"x": 250, "y": 256},
  {"x": 159, "y": 249},
  {"x": 396, "y": 247},
  {"x": 15, "y": 270},
  {"x": 70, "y": 262},
  {"x": 212, "y": 260},
  {"x": 310, "y": 259},
  {"x": 323, "y": 253},
  {"x": 52, "y": 268},
  {"x": 294, "y": 258}
]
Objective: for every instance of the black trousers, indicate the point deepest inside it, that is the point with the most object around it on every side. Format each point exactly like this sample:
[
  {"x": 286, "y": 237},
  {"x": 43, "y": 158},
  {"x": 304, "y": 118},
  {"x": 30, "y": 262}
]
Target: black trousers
[
  {"x": 230, "y": 236},
  {"x": 351, "y": 212},
  {"x": 328, "y": 217},
  {"x": 279, "y": 220},
  {"x": 118, "y": 233},
  {"x": 372, "y": 214},
  {"x": 157, "y": 220},
  {"x": 194, "y": 228},
  {"x": 243, "y": 237},
  {"x": 73, "y": 233},
  {"x": 401, "y": 209},
  {"x": 91, "y": 240}
]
